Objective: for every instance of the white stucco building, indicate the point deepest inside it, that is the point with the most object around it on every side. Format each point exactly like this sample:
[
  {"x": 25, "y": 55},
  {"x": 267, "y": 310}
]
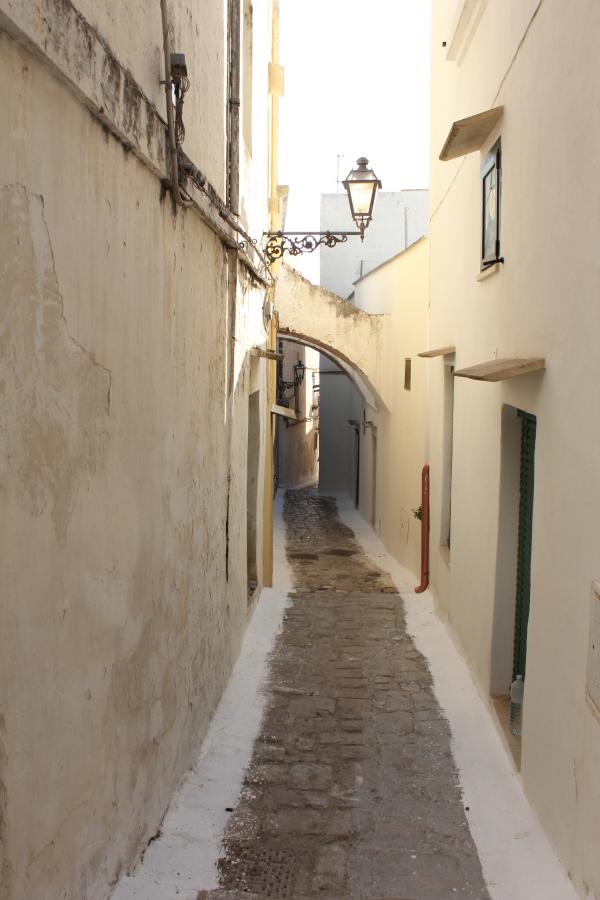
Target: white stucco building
[
  {"x": 399, "y": 219},
  {"x": 515, "y": 486}
]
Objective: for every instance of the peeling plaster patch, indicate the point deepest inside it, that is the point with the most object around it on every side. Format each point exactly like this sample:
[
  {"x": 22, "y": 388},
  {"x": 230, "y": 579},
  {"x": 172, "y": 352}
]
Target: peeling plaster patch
[
  {"x": 132, "y": 109},
  {"x": 77, "y": 54},
  {"x": 111, "y": 84},
  {"x": 54, "y": 396}
]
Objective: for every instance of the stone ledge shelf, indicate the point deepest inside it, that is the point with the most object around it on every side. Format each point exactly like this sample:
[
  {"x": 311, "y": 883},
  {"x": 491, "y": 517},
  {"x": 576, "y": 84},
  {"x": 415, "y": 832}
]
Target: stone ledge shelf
[
  {"x": 470, "y": 134},
  {"x": 501, "y": 369},
  {"x": 266, "y": 354},
  {"x": 283, "y": 411},
  {"x": 440, "y": 351}
]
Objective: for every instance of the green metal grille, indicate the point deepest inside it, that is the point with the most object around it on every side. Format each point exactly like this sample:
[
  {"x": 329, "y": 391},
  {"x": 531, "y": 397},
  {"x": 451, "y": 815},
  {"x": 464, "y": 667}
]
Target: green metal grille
[
  {"x": 528, "y": 428},
  {"x": 451, "y": 414}
]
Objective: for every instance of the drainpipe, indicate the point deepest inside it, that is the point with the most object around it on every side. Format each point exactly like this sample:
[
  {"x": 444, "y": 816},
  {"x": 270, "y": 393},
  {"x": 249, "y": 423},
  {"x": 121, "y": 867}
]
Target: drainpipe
[
  {"x": 424, "y": 530},
  {"x": 169, "y": 97},
  {"x": 233, "y": 119},
  {"x": 274, "y": 205}
]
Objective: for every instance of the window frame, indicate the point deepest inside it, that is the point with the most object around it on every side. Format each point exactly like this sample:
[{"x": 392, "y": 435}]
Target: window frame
[{"x": 492, "y": 161}]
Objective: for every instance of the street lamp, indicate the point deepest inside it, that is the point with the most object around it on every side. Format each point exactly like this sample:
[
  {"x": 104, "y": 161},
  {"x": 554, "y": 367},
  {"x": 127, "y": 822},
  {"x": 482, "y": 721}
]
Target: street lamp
[
  {"x": 299, "y": 372},
  {"x": 361, "y": 186}
]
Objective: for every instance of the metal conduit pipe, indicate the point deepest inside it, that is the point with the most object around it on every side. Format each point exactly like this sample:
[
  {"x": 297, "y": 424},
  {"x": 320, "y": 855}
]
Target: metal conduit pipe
[
  {"x": 274, "y": 167},
  {"x": 424, "y": 530},
  {"x": 169, "y": 97},
  {"x": 233, "y": 118}
]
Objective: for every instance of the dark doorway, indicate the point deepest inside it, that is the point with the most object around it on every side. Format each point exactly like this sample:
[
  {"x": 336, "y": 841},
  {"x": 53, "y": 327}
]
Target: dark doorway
[{"x": 526, "y": 486}]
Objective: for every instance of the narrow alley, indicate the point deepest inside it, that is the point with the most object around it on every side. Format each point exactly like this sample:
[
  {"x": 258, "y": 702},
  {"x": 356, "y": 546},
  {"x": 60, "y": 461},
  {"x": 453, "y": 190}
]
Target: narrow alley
[
  {"x": 352, "y": 790},
  {"x": 299, "y": 585}
]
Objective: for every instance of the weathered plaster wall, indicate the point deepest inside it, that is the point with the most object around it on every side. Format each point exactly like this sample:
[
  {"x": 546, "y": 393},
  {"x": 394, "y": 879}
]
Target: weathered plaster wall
[
  {"x": 120, "y": 454},
  {"x": 54, "y": 438},
  {"x": 299, "y": 441},
  {"x": 134, "y": 32},
  {"x": 539, "y": 60}
]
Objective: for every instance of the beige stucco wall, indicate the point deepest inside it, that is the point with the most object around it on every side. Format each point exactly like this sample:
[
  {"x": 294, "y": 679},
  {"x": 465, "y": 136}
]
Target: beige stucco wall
[
  {"x": 120, "y": 448},
  {"x": 538, "y": 59},
  {"x": 390, "y": 485}
]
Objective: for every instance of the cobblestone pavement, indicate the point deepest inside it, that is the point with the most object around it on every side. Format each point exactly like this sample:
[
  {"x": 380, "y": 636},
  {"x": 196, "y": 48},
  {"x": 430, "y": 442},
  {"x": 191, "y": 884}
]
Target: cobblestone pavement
[{"x": 352, "y": 790}]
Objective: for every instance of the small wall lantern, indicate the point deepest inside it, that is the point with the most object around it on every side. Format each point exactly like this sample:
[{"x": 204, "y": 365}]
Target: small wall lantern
[{"x": 299, "y": 368}]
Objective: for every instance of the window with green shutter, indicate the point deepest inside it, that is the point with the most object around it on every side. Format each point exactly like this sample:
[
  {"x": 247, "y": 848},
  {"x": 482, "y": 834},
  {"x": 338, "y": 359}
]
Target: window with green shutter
[
  {"x": 526, "y": 485},
  {"x": 491, "y": 188}
]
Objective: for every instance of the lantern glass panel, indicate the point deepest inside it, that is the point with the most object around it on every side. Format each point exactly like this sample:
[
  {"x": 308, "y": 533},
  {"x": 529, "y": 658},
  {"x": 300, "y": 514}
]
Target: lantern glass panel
[{"x": 362, "y": 195}]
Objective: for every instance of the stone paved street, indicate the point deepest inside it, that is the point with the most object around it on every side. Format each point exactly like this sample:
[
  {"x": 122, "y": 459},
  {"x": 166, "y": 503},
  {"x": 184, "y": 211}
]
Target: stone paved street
[{"x": 352, "y": 791}]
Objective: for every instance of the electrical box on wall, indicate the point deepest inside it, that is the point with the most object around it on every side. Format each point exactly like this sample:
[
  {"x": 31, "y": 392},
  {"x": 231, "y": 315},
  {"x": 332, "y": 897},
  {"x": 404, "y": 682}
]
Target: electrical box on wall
[{"x": 593, "y": 672}]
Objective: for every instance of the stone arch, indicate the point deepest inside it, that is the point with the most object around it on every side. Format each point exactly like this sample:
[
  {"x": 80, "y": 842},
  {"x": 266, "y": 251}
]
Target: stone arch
[{"x": 351, "y": 338}]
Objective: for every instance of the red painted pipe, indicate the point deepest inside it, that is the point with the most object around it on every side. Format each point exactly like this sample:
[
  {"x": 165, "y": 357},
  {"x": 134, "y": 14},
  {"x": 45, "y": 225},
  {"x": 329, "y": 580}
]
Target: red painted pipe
[{"x": 424, "y": 530}]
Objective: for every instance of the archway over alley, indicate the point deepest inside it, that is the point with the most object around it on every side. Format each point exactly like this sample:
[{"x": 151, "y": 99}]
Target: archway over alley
[{"x": 351, "y": 338}]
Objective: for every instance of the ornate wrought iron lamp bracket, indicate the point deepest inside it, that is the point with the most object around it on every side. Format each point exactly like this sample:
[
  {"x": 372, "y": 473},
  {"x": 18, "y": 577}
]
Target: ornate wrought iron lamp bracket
[
  {"x": 361, "y": 185},
  {"x": 297, "y": 242}
]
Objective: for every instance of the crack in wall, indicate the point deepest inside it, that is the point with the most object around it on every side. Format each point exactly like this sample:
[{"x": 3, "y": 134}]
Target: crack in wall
[
  {"x": 73, "y": 339},
  {"x": 518, "y": 50},
  {"x": 53, "y": 392}
]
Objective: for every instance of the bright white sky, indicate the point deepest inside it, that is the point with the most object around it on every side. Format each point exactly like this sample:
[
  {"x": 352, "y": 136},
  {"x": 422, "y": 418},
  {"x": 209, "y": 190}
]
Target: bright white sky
[{"x": 357, "y": 84}]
